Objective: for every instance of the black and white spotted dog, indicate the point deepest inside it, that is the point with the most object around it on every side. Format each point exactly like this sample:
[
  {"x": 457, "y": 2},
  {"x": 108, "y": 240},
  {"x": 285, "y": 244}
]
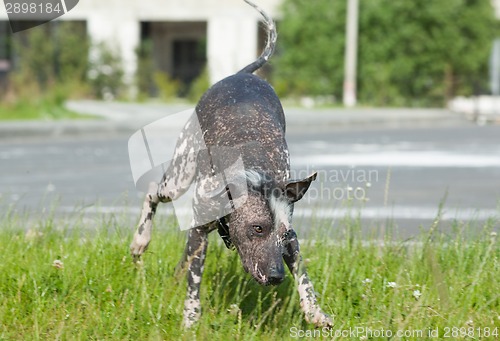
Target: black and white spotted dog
[{"x": 239, "y": 119}]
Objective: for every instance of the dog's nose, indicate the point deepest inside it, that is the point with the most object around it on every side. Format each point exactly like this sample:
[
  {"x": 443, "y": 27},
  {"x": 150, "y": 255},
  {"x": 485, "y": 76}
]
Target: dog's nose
[{"x": 276, "y": 276}]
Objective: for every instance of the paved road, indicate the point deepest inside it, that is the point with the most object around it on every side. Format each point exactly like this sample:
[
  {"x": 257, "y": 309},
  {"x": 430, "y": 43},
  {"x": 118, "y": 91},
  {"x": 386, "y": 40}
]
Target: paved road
[
  {"x": 402, "y": 175},
  {"x": 380, "y": 173}
]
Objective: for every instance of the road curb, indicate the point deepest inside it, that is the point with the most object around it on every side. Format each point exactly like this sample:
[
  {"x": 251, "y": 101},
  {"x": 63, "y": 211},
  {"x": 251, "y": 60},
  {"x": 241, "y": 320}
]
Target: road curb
[
  {"x": 298, "y": 119},
  {"x": 371, "y": 118}
]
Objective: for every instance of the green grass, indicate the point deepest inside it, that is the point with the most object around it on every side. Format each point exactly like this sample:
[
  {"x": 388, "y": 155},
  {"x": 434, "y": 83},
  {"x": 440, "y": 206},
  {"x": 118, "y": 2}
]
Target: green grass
[
  {"x": 100, "y": 294},
  {"x": 34, "y": 104},
  {"x": 36, "y": 111}
]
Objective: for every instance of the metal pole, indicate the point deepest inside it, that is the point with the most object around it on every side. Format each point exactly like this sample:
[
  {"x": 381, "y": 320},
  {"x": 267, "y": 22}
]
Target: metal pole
[
  {"x": 351, "y": 53},
  {"x": 495, "y": 68}
]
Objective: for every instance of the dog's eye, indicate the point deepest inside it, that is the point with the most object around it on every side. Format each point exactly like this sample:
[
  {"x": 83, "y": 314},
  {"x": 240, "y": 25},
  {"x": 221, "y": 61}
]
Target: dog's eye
[{"x": 258, "y": 229}]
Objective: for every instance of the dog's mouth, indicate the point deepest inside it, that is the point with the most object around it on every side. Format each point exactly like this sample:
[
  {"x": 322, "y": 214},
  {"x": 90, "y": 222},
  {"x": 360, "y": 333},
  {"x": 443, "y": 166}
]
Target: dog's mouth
[
  {"x": 267, "y": 281},
  {"x": 265, "y": 273},
  {"x": 273, "y": 279}
]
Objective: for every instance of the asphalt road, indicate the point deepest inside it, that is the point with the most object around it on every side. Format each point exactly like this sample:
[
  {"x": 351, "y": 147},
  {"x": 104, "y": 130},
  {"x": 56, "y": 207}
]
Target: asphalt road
[{"x": 380, "y": 174}]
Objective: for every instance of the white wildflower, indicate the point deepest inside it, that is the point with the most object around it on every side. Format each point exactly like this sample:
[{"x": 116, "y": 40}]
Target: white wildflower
[
  {"x": 50, "y": 187},
  {"x": 58, "y": 264},
  {"x": 366, "y": 281},
  {"x": 391, "y": 284},
  {"x": 92, "y": 74},
  {"x": 106, "y": 69},
  {"x": 32, "y": 234},
  {"x": 417, "y": 294},
  {"x": 234, "y": 309}
]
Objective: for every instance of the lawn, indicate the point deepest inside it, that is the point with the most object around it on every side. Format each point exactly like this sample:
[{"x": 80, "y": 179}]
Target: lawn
[
  {"x": 36, "y": 111},
  {"x": 61, "y": 279}
]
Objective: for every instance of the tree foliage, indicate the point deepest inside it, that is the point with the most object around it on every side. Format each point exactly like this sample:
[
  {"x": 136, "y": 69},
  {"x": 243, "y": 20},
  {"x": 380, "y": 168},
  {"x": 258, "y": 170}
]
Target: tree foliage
[
  {"x": 310, "y": 47},
  {"x": 417, "y": 53}
]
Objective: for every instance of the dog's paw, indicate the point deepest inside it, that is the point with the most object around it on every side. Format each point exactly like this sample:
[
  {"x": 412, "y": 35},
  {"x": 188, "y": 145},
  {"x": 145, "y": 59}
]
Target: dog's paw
[
  {"x": 192, "y": 312},
  {"x": 324, "y": 320},
  {"x": 139, "y": 245},
  {"x": 320, "y": 319}
]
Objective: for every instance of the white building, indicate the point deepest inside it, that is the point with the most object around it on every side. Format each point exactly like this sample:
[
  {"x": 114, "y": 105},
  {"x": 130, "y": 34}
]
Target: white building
[
  {"x": 227, "y": 31},
  {"x": 496, "y": 5}
]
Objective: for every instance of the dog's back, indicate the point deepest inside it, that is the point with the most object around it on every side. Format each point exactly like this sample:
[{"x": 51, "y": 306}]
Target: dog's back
[{"x": 243, "y": 111}]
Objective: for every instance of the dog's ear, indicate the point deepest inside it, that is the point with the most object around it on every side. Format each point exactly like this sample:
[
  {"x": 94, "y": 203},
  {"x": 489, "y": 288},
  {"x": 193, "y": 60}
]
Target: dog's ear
[{"x": 295, "y": 189}]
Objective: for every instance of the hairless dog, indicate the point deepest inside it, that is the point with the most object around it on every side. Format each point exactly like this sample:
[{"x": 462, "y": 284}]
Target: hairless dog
[{"x": 241, "y": 119}]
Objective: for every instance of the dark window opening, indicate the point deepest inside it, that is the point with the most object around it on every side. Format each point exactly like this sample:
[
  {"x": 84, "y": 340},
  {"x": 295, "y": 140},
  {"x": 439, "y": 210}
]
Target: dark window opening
[
  {"x": 177, "y": 49},
  {"x": 188, "y": 60},
  {"x": 145, "y": 30}
]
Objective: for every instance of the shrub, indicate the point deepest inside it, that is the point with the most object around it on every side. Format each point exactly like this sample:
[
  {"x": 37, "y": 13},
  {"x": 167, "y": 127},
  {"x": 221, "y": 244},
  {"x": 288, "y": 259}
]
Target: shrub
[
  {"x": 144, "y": 77},
  {"x": 168, "y": 88},
  {"x": 106, "y": 73},
  {"x": 199, "y": 86},
  {"x": 410, "y": 53},
  {"x": 51, "y": 53}
]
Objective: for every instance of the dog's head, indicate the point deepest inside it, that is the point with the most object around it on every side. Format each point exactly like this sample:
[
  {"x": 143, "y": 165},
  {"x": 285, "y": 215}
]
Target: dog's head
[{"x": 258, "y": 228}]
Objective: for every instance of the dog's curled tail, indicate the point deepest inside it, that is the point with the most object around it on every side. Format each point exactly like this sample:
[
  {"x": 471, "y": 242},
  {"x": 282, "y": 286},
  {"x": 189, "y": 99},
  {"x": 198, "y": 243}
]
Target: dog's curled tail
[{"x": 271, "y": 42}]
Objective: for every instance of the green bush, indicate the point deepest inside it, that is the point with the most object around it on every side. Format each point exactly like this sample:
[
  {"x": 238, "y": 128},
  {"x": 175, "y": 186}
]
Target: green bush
[
  {"x": 106, "y": 73},
  {"x": 310, "y": 49},
  {"x": 199, "y": 86},
  {"x": 144, "y": 76},
  {"x": 168, "y": 88},
  {"x": 410, "y": 53},
  {"x": 49, "y": 54},
  {"x": 50, "y": 65}
]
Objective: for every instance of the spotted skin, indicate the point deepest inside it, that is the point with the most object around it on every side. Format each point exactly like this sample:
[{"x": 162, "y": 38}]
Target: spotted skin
[
  {"x": 308, "y": 301},
  {"x": 240, "y": 117},
  {"x": 195, "y": 258},
  {"x": 142, "y": 236}
]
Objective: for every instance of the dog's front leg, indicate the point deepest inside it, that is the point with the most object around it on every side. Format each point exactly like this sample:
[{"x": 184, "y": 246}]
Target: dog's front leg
[
  {"x": 195, "y": 257},
  {"x": 308, "y": 302},
  {"x": 142, "y": 236}
]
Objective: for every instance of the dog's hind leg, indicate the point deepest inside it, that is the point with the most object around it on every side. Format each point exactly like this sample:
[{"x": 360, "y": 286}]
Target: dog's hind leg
[
  {"x": 195, "y": 257},
  {"x": 175, "y": 181},
  {"x": 308, "y": 302},
  {"x": 156, "y": 194}
]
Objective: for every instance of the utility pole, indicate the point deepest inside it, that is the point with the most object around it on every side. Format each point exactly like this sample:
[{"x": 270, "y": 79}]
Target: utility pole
[
  {"x": 495, "y": 68},
  {"x": 351, "y": 53}
]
